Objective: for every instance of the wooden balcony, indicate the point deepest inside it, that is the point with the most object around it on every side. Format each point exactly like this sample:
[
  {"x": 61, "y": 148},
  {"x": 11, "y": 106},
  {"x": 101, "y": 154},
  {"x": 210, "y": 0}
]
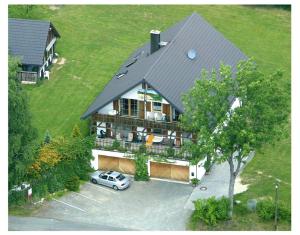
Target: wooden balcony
[{"x": 136, "y": 122}]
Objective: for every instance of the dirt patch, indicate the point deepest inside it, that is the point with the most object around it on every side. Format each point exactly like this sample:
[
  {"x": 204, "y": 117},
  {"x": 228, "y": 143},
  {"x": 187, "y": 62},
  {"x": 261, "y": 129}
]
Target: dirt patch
[
  {"x": 76, "y": 77},
  {"x": 54, "y": 7},
  {"x": 239, "y": 187},
  {"x": 62, "y": 61}
]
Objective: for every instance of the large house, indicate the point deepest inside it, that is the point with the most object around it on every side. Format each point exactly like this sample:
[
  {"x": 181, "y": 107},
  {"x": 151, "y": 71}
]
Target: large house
[
  {"x": 33, "y": 41},
  {"x": 142, "y": 102}
]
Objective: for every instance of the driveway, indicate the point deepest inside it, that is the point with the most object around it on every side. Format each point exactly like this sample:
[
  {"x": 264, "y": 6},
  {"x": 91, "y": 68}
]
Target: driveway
[
  {"x": 215, "y": 184},
  {"x": 153, "y": 205}
]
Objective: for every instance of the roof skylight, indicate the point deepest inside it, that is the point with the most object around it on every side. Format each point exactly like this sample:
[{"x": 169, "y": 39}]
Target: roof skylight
[
  {"x": 121, "y": 74},
  {"x": 131, "y": 62},
  {"x": 192, "y": 54}
]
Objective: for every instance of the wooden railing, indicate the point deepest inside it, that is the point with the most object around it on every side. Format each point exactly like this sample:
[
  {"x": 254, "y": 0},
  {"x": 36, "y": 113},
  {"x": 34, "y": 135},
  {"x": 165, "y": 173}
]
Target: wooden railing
[
  {"x": 27, "y": 76},
  {"x": 132, "y": 121}
]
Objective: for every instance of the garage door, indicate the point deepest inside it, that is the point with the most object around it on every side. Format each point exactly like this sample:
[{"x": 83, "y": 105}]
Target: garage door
[
  {"x": 169, "y": 171},
  {"x": 116, "y": 164}
]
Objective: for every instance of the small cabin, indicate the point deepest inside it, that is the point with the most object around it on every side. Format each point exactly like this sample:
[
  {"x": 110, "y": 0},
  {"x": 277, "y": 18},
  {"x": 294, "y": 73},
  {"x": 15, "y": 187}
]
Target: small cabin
[{"x": 33, "y": 41}]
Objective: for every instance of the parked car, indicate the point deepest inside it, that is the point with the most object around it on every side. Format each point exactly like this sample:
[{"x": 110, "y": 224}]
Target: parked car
[{"x": 112, "y": 179}]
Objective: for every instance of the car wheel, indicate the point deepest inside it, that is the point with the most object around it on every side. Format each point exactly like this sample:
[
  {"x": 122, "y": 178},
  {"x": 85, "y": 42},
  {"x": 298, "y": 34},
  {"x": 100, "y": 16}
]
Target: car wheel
[
  {"x": 94, "y": 181},
  {"x": 115, "y": 187}
]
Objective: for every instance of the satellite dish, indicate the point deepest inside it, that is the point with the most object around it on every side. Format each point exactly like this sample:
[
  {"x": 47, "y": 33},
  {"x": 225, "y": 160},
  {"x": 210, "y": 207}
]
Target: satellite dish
[{"x": 192, "y": 54}]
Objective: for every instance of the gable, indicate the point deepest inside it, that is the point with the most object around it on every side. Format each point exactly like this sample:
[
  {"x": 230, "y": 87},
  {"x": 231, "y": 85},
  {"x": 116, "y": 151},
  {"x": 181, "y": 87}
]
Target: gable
[{"x": 169, "y": 70}]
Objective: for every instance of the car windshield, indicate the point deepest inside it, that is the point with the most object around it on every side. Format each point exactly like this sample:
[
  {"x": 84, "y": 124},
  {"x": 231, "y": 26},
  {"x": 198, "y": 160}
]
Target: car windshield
[{"x": 120, "y": 177}]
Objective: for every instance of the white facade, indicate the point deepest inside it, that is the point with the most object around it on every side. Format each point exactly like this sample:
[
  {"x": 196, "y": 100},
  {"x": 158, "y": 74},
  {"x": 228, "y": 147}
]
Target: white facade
[
  {"x": 106, "y": 109},
  {"x": 195, "y": 171}
]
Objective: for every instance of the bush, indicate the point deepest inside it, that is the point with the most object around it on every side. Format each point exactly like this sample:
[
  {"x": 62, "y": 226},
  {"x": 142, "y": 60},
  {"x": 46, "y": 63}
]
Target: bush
[
  {"x": 141, "y": 169},
  {"x": 39, "y": 190},
  {"x": 266, "y": 210},
  {"x": 72, "y": 183},
  {"x": 170, "y": 152},
  {"x": 195, "y": 181},
  {"x": 54, "y": 185},
  {"x": 116, "y": 145},
  {"x": 241, "y": 209},
  {"x": 17, "y": 197},
  {"x": 211, "y": 210},
  {"x": 142, "y": 148}
]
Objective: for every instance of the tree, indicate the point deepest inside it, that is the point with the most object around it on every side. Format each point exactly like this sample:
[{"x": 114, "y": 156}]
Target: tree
[
  {"x": 47, "y": 138},
  {"x": 230, "y": 134},
  {"x": 21, "y": 134},
  {"x": 76, "y": 131}
]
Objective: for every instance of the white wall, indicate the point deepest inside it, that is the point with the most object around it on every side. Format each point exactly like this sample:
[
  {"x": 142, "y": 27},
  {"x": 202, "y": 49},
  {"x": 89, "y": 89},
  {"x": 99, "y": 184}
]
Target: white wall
[
  {"x": 106, "y": 108},
  {"x": 198, "y": 170}
]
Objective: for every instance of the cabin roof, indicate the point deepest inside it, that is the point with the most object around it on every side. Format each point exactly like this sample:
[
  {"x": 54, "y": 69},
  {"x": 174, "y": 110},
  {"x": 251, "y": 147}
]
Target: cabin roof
[{"x": 27, "y": 39}]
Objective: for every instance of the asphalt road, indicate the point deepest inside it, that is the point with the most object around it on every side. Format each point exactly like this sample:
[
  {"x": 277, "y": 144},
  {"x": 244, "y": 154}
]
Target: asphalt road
[{"x": 16, "y": 223}]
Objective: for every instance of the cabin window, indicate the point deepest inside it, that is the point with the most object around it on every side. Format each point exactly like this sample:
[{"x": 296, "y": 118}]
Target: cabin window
[
  {"x": 134, "y": 107},
  {"x": 124, "y": 103},
  {"x": 156, "y": 106}
]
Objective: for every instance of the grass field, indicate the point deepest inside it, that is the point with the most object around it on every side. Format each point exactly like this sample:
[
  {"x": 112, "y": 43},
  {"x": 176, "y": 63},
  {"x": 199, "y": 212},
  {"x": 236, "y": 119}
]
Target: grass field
[{"x": 97, "y": 39}]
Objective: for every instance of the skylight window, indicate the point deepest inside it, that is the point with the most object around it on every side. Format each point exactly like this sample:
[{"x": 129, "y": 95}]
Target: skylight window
[
  {"x": 122, "y": 74},
  {"x": 192, "y": 54},
  {"x": 131, "y": 62}
]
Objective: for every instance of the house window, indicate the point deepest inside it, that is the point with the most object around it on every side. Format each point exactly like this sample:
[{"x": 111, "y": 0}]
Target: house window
[
  {"x": 124, "y": 106},
  {"x": 134, "y": 107},
  {"x": 156, "y": 106},
  {"x": 175, "y": 115}
]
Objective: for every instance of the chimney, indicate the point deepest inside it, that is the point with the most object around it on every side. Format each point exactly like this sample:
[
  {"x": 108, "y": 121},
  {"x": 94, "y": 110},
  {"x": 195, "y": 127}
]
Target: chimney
[{"x": 154, "y": 40}]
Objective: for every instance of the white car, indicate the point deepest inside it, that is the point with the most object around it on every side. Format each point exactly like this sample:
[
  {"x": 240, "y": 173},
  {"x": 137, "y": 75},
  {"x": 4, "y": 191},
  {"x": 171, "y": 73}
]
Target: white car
[{"x": 112, "y": 179}]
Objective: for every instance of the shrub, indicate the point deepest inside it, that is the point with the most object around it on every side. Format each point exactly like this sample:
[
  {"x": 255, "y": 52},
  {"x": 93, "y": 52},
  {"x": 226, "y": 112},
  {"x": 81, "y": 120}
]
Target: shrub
[
  {"x": 54, "y": 185},
  {"x": 141, "y": 169},
  {"x": 266, "y": 210},
  {"x": 142, "y": 148},
  {"x": 72, "y": 183},
  {"x": 170, "y": 152},
  {"x": 116, "y": 145},
  {"x": 17, "y": 197},
  {"x": 195, "y": 181},
  {"x": 47, "y": 138},
  {"x": 39, "y": 190},
  {"x": 211, "y": 210},
  {"x": 241, "y": 209}
]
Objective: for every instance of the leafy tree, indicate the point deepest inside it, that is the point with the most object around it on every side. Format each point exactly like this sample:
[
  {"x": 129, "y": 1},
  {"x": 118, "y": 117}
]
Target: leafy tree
[
  {"x": 21, "y": 134},
  {"x": 230, "y": 134},
  {"x": 76, "y": 131}
]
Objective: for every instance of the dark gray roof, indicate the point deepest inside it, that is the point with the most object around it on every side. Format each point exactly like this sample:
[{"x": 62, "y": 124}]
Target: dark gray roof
[
  {"x": 27, "y": 39},
  {"x": 169, "y": 70}
]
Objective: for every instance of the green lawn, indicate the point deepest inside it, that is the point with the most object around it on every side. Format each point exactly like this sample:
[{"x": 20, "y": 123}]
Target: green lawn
[{"x": 97, "y": 39}]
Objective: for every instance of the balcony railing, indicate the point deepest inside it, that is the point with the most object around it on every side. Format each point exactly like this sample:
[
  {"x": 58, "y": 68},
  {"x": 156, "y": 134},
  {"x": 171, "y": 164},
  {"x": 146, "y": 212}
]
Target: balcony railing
[
  {"x": 26, "y": 76},
  {"x": 162, "y": 150},
  {"x": 137, "y": 122}
]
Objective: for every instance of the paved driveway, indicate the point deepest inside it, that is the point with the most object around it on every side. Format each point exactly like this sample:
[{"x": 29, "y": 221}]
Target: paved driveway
[{"x": 154, "y": 205}]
